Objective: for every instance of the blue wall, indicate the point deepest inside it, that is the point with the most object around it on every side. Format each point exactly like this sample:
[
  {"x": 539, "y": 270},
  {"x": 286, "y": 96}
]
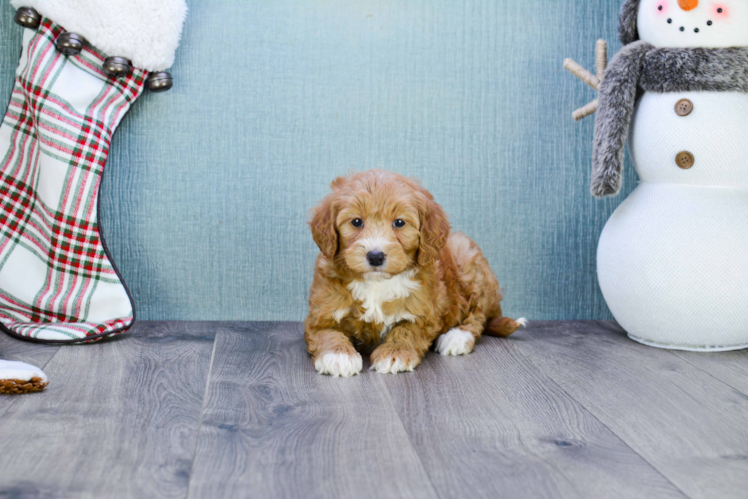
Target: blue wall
[{"x": 205, "y": 195}]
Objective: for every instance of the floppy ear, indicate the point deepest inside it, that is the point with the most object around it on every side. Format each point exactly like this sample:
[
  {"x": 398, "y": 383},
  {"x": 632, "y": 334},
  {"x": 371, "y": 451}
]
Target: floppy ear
[
  {"x": 434, "y": 231},
  {"x": 323, "y": 228}
]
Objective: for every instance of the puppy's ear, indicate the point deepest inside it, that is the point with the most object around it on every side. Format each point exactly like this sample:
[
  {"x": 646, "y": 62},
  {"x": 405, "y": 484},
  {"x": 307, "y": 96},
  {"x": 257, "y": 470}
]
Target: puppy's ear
[
  {"x": 434, "y": 231},
  {"x": 324, "y": 232}
]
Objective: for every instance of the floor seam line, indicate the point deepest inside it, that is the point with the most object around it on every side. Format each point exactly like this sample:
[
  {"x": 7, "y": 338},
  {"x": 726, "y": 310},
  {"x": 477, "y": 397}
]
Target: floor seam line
[
  {"x": 677, "y": 355},
  {"x": 593, "y": 415},
  {"x": 202, "y": 408},
  {"x": 410, "y": 441}
]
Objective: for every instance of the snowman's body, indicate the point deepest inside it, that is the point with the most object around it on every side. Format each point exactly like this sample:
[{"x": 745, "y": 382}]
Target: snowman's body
[{"x": 673, "y": 259}]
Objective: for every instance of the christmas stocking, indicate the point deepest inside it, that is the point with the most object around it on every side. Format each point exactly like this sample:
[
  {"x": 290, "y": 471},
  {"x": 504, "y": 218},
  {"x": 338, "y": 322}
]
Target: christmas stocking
[{"x": 83, "y": 64}]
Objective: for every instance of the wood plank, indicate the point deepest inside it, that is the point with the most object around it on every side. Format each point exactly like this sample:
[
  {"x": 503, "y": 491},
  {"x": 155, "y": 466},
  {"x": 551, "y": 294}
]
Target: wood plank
[
  {"x": 684, "y": 422},
  {"x": 492, "y": 425},
  {"x": 28, "y": 352},
  {"x": 730, "y": 368},
  {"x": 120, "y": 420},
  {"x": 273, "y": 427}
]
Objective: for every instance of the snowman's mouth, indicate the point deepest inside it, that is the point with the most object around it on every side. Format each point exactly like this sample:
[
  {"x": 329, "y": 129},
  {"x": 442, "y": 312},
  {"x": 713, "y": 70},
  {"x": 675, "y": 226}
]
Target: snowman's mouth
[{"x": 683, "y": 28}]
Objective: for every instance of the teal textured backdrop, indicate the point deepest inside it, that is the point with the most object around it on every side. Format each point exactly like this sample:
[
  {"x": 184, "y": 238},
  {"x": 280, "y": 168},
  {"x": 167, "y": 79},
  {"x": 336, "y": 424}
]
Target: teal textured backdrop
[{"x": 207, "y": 187}]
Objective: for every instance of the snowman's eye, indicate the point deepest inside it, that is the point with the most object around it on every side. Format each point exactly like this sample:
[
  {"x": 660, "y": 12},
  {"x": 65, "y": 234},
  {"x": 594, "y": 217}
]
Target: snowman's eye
[
  {"x": 719, "y": 10},
  {"x": 659, "y": 8}
]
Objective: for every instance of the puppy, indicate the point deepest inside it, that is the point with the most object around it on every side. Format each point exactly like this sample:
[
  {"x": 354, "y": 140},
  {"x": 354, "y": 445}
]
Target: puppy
[{"x": 391, "y": 279}]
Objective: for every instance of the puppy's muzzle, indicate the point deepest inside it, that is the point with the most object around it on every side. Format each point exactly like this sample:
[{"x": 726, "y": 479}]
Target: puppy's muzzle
[{"x": 375, "y": 258}]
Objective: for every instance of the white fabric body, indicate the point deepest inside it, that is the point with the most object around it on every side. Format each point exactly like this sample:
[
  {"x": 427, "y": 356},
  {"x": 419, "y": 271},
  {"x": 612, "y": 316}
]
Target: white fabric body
[
  {"x": 673, "y": 259},
  {"x": 673, "y": 266},
  {"x": 728, "y": 28},
  {"x": 715, "y": 132},
  {"x": 145, "y": 31},
  {"x": 17, "y": 370}
]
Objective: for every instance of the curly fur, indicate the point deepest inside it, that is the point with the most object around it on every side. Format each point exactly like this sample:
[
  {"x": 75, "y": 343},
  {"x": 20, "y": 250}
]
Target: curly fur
[
  {"x": 431, "y": 282},
  {"x": 641, "y": 67}
]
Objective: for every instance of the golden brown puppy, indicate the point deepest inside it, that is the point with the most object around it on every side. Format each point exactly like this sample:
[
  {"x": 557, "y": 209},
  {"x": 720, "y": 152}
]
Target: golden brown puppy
[{"x": 391, "y": 279}]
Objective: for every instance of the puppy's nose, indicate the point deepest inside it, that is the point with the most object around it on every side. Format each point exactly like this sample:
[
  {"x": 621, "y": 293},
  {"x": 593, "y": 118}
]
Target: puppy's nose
[{"x": 375, "y": 258}]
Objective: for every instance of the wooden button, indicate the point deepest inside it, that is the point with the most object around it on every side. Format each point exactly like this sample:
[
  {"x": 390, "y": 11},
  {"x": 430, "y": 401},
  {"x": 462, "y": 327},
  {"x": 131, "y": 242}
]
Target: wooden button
[
  {"x": 683, "y": 107},
  {"x": 685, "y": 160}
]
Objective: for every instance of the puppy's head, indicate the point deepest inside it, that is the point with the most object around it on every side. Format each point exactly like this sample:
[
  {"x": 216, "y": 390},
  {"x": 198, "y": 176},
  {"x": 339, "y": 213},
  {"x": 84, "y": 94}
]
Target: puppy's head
[{"x": 379, "y": 222}]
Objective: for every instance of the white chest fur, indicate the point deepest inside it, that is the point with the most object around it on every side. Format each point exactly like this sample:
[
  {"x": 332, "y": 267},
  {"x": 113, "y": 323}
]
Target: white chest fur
[{"x": 376, "y": 291}]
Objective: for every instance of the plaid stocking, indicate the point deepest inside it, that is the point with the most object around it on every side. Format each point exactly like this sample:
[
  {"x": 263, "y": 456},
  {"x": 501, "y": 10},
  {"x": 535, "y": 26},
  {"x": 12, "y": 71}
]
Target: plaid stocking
[{"x": 57, "y": 282}]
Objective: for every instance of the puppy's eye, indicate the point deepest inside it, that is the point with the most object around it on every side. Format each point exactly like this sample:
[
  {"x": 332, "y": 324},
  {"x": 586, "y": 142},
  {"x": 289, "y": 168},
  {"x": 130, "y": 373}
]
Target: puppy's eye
[
  {"x": 399, "y": 223},
  {"x": 357, "y": 223}
]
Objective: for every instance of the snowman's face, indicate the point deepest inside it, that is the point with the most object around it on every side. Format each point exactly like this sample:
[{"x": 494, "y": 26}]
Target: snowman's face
[{"x": 694, "y": 23}]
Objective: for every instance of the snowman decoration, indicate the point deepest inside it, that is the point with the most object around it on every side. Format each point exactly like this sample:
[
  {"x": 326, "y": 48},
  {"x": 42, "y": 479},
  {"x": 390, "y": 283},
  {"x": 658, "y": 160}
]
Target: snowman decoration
[{"x": 673, "y": 258}]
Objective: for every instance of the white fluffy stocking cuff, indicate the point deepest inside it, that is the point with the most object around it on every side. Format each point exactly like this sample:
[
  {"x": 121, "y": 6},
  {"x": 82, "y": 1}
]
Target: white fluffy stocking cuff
[{"x": 145, "y": 31}]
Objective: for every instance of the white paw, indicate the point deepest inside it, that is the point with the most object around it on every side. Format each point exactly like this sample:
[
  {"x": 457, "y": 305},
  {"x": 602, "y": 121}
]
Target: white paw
[
  {"x": 16, "y": 370},
  {"x": 455, "y": 342},
  {"x": 393, "y": 365},
  {"x": 339, "y": 364}
]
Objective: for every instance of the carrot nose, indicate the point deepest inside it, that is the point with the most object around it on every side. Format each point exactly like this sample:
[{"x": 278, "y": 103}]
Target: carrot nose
[{"x": 688, "y": 4}]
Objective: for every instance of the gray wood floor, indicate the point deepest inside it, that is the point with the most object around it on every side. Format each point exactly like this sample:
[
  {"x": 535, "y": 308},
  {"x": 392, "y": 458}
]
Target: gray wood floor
[{"x": 562, "y": 409}]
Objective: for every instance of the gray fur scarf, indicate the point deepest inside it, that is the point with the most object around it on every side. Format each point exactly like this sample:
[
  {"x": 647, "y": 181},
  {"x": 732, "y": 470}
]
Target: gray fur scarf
[{"x": 641, "y": 67}]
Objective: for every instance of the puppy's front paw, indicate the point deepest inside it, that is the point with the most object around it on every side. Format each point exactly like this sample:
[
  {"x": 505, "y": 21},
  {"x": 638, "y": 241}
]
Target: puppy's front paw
[
  {"x": 388, "y": 359},
  {"x": 339, "y": 364},
  {"x": 455, "y": 342}
]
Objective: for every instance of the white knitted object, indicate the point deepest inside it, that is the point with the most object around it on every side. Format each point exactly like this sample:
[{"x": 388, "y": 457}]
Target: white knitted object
[
  {"x": 673, "y": 266},
  {"x": 715, "y": 132},
  {"x": 145, "y": 31},
  {"x": 673, "y": 259}
]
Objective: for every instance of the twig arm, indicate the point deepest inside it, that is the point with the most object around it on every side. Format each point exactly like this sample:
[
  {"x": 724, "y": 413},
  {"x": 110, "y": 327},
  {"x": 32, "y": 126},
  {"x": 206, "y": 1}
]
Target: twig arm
[
  {"x": 575, "y": 69},
  {"x": 601, "y": 58},
  {"x": 585, "y": 111}
]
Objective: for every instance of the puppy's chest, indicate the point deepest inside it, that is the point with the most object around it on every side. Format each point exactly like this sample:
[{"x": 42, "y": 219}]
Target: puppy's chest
[{"x": 385, "y": 302}]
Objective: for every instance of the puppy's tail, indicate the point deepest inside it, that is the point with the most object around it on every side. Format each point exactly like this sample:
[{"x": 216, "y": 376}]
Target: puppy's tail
[{"x": 503, "y": 327}]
